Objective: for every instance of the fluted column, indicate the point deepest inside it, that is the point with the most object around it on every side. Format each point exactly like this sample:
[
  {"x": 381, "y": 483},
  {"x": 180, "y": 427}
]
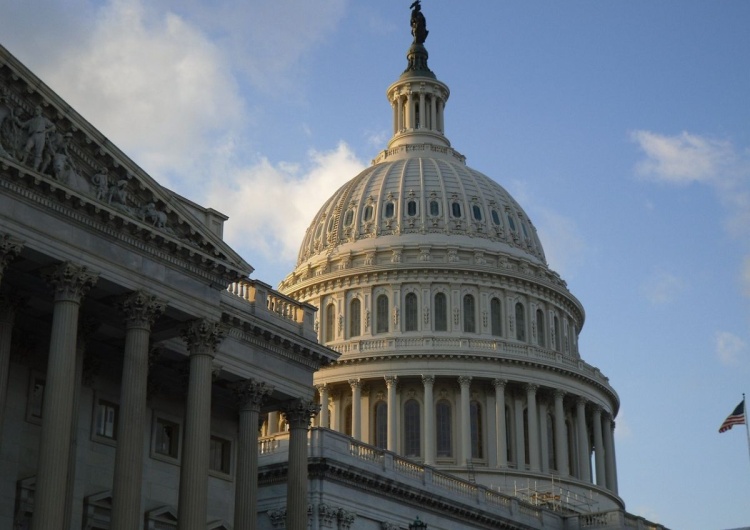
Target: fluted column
[
  {"x": 609, "y": 448},
  {"x": 433, "y": 113},
  {"x": 422, "y": 111},
  {"x": 400, "y": 116},
  {"x": 324, "y": 419},
  {"x": 390, "y": 382},
  {"x": 429, "y": 420},
  {"x": 533, "y": 420},
  {"x": 465, "y": 419},
  {"x": 71, "y": 282},
  {"x": 502, "y": 428},
  {"x": 561, "y": 440},
  {"x": 297, "y": 415},
  {"x": 519, "y": 438},
  {"x": 250, "y": 396},
  {"x": 202, "y": 338},
  {"x": 601, "y": 473},
  {"x": 356, "y": 408},
  {"x": 410, "y": 111},
  {"x": 141, "y": 310},
  {"x": 584, "y": 458}
]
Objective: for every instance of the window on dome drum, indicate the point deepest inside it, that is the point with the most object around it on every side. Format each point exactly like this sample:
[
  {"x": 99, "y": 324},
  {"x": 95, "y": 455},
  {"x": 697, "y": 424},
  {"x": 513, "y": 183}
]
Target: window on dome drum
[
  {"x": 348, "y": 420},
  {"x": 470, "y": 325},
  {"x": 220, "y": 455},
  {"x": 390, "y": 209},
  {"x": 381, "y": 314},
  {"x": 330, "y": 323},
  {"x": 496, "y": 318},
  {"x": 456, "y": 209},
  {"x": 476, "y": 430},
  {"x": 355, "y": 317},
  {"x": 557, "y": 333},
  {"x": 348, "y": 217},
  {"x": 105, "y": 422},
  {"x": 411, "y": 208},
  {"x": 381, "y": 425},
  {"x": 441, "y": 312},
  {"x": 367, "y": 214},
  {"x": 511, "y": 223},
  {"x": 551, "y": 447},
  {"x": 443, "y": 428},
  {"x": 495, "y": 217},
  {"x": 540, "y": 327},
  {"x": 520, "y": 322},
  {"x": 434, "y": 208},
  {"x": 411, "y": 428},
  {"x": 410, "y": 312},
  {"x": 476, "y": 211}
]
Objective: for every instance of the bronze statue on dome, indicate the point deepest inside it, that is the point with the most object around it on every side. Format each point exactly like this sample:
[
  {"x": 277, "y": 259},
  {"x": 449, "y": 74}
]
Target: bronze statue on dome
[{"x": 418, "y": 23}]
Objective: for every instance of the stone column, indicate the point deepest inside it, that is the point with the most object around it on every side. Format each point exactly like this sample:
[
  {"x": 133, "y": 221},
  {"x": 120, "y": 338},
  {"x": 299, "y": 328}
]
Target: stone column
[
  {"x": 409, "y": 111},
  {"x": 202, "y": 338},
  {"x": 297, "y": 415},
  {"x": 324, "y": 420},
  {"x": 433, "y": 113},
  {"x": 502, "y": 428},
  {"x": 390, "y": 382},
  {"x": 429, "y": 420},
  {"x": 609, "y": 448},
  {"x": 584, "y": 458},
  {"x": 561, "y": 439},
  {"x": 250, "y": 397},
  {"x": 465, "y": 419},
  {"x": 422, "y": 111},
  {"x": 356, "y": 408},
  {"x": 533, "y": 420},
  {"x": 519, "y": 438},
  {"x": 141, "y": 309},
  {"x": 601, "y": 474},
  {"x": 400, "y": 110},
  {"x": 9, "y": 250},
  {"x": 71, "y": 282}
]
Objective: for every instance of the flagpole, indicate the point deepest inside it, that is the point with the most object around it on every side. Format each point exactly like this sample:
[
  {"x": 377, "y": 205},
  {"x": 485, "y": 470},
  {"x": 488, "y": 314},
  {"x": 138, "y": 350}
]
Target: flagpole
[{"x": 747, "y": 427}]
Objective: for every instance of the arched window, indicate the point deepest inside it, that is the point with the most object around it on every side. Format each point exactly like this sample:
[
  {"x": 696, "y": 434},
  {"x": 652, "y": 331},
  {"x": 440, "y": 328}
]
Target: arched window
[
  {"x": 477, "y": 434},
  {"x": 410, "y": 312},
  {"x": 411, "y": 208},
  {"x": 411, "y": 428},
  {"x": 355, "y": 317},
  {"x": 330, "y": 323},
  {"x": 348, "y": 420},
  {"x": 520, "y": 322},
  {"x": 443, "y": 428},
  {"x": 441, "y": 312},
  {"x": 557, "y": 333},
  {"x": 551, "y": 441},
  {"x": 476, "y": 212},
  {"x": 434, "y": 208},
  {"x": 496, "y": 318},
  {"x": 540, "y": 329},
  {"x": 470, "y": 325},
  {"x": 381, "y": 314},
  {"x": 389, "y": 210},
  {"x": 380, "y": 429},
  {"x": 456, "y": 209}
]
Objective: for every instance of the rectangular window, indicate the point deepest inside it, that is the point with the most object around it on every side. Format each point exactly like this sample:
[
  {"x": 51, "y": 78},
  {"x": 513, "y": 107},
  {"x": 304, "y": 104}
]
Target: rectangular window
[
  {"x": 220, "y": 455},
  {"x": 105, "y": 419},
  {"x": 35, "y": 399},
  {"x": 166, "y": 438}
]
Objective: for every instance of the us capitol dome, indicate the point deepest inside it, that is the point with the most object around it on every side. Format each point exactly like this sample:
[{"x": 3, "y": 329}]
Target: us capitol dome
[{"x": 459, "y": 345}]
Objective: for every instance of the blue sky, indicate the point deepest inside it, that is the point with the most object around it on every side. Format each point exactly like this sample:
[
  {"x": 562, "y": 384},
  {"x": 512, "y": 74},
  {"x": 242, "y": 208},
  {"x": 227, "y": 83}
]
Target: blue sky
[{"x": 622, "y": 127}]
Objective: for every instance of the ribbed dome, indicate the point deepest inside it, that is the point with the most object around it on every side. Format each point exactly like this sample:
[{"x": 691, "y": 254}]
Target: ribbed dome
[{"x": 421, "y": 195}]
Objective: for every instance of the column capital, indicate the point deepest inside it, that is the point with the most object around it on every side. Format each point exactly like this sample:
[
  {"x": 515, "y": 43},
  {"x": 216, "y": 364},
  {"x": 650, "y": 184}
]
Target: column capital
[
  {"x": 299, "y": 412},
  {"x": 203, "y": 336},
  {"x": 390, "y": 380},
  {"x": 499, "y": 383},
  {"x": 464, "y": 380},
  {"x": 559, "y": 394},
  {"x": 322, "y": 387},
  {"x": 10, "y": 248},
  {"x": 141, "y": 309},
  {"x": 355, "y": 383},
  {"x": 70, "y": 281},
  {"x": 531, "y": 387},
  {"x": 251, "y": 394},
  {"x": 428, "y": 380},
  {"x": 581, "y": 401},
  {"x": 596, "y": 409}
]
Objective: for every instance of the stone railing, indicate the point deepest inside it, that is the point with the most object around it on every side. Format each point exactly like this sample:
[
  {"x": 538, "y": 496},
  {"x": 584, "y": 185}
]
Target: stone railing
[{"x": 268, "y": 303}]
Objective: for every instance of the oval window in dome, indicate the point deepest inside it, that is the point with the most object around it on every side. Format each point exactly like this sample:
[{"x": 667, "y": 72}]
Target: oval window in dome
[
  {"x": 348, "y": 217},
  {"x": 331, "y": 223},
  {"x": 411, "y": 208},
  {"x": 456, "y": 209},
  {"x": 495, "y": 217},
  {"x": 477, "y": 212},
  {"x": 434, "y": 208},
  {"x": 367, "y": 215},
  {"x": 523, "y": 227},
  {"x": 389, "y": 210},
  {"x": 319, "y": 231},
  {"x": 511, "y": 223}
]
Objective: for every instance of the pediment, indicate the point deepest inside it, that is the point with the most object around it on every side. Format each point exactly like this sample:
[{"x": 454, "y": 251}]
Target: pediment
[{"x": 48, "y": 150}]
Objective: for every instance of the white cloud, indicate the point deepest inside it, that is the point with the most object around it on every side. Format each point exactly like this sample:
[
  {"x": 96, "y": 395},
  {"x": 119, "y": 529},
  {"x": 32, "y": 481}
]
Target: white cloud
[
  {"x": 662, "y": 288},
  {"x": 270, "y": 206},
  {"x": 730, "y": 349}
]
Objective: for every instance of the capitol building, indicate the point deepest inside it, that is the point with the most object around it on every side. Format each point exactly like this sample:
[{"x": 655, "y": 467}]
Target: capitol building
[{"x": 419, "y": 367}]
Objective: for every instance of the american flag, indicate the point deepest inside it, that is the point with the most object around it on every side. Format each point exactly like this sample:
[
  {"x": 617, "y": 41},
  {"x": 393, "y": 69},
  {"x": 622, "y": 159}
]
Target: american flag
[{"x": 737, "y": 417}]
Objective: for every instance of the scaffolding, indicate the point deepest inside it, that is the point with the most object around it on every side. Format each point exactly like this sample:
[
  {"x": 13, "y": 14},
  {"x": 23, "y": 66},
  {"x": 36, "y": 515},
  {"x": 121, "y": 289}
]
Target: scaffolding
[{"x": 553, "y": 496}]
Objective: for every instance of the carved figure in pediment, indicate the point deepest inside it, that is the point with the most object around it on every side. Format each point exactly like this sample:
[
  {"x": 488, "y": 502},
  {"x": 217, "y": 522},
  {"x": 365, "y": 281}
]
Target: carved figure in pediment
[
  {"x": 36, "y": 128},
  {"x": 100, "y": 181},
  {"x": 153, "y": 216},
  {"x": 118, "y": 194},
  {"x": 9, "y": 130}
]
